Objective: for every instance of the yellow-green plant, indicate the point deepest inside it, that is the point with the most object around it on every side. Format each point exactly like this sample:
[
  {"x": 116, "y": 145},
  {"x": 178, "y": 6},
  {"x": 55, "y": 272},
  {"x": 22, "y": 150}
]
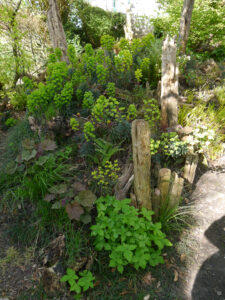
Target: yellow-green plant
[
  {"x": 131, "y": 112},
  {"x": 89, "y": 130},
  {"x": 151, "y": 112},
  {"x": 138, "y": 75},
  {"x": 107, "y": 42},
  {"x": 74, "y": 124},
  {"x": 106, "y": 176},
  {"x": 88, "y": 100},
  {"x": 123, "y": 61}
]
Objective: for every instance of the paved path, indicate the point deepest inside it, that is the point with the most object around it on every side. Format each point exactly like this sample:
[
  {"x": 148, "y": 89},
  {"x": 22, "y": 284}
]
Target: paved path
[{"x": 205, "y": 278}]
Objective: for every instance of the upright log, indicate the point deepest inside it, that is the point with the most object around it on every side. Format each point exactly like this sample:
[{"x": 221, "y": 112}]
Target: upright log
[
  {"x": 190, "y": 167},
  {"x": 142, "y": 162},
  {"x": 164, "y": 185},
  {"x": 56, "y": 31},
  {"x": 177, "y": 184},
  {"x": 169, "y": 84}
]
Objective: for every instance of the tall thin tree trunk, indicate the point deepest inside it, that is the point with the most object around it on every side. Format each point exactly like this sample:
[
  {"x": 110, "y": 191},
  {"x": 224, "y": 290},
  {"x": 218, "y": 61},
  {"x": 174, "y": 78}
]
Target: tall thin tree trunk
[
  {"x": 169, "y": 85},
  {"x": 56, "y": 31},
  {"x": 185, "y": 22}
]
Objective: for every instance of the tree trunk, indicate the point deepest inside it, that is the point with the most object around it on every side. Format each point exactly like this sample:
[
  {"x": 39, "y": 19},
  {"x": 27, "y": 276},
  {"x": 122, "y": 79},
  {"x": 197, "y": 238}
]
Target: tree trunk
[
  {"x": 56, "y": 31},
  {"x": 185, "y": 22},
  {"x": 142, "y": 162},
  {"x": 169, "y": 85}
]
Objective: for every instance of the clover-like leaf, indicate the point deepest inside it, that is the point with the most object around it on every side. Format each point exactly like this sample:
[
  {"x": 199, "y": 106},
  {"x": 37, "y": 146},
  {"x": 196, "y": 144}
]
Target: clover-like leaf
[{"x": 74, "y": 211}]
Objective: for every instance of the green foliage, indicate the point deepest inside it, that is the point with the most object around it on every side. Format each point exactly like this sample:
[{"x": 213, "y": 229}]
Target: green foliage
[
  {"x": 207, "y": 25},
  {"x": 154, "y": 146},
  {"x": 128, "y": 234},
  {"x": 79, "y": 284},
  {"x": 106, "y": 109},
  {"x": 172, "y": 146},
  {"x": 107, "y": 42},
  {"x": 151, "y": 112},
  {"x": 104, "y": 151},
  {"x": 57, "y": 91},
  {"x": 138, "y": 75},
  {"x": 89, "y": 130},
  {"x": 102, "y": 73},
  {"x": 96, "y": 22},
  {"x": 131, "y": 112},
  {"x": 74, "y": 124},
  {"x": 111, "y": 89},
  {"x": 106, "y": 176},
  {"x": 88, "y": 100},
  {"x": 10, "y": 122},
  {"x": 123, "y": 61}
]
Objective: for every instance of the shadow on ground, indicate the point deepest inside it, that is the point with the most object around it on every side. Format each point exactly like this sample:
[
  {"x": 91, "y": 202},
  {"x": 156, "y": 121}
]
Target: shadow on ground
[{"x": 210, "y": 280}]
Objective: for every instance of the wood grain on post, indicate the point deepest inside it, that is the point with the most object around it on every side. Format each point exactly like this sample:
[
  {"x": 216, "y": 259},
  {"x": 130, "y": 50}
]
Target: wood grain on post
[
  {"x": 169, "y": 85},
  {"x": 142, "y": 162},
  {"x": 177, "y": 184},
  {"x": 164, "y": 184},
  {"x": 190, "y": 167}
]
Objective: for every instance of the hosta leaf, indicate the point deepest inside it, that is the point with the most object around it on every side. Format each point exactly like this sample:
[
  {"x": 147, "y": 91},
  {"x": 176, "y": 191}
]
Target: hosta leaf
[
  {"x": 86, "y": 198},
  {"x": 74, "y": 211},
  {"x": 28, "y": 144},
  {"x": 48, "y": 145}
]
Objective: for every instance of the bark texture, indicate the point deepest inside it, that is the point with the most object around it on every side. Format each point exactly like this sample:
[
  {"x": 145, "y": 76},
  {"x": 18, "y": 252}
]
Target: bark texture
[
  {"x": 190, "y": 167},
  {"x": 185, "y": 22},
  {"x": 177, "y": 184},
  {"x": 169, "y": 85},
  {"x": 56, "y": 31},
  {"x": 142, "y": 162}
]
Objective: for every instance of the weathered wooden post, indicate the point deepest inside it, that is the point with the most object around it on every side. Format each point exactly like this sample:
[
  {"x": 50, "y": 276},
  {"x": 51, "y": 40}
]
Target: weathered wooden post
[
  {"x": 190, "y": 167},
  {"x": 142, "y": 162},
  {"x": 176, "y": 188},
  {"x": 169, "y": 84},
  {"x": 164, "y": 184},
  {"x": 129, "y": 34}
]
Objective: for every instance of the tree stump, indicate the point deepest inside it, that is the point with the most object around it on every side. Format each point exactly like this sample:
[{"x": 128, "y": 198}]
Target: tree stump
[
  {"x": 142, "y": 162},
  {"x": 169, "y": 85},
  {"x": 190, "y": 167}
]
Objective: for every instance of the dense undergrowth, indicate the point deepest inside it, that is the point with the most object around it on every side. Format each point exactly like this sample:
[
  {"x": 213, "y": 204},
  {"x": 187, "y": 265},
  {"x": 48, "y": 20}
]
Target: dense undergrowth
[{"x": 64, "y": 157}]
